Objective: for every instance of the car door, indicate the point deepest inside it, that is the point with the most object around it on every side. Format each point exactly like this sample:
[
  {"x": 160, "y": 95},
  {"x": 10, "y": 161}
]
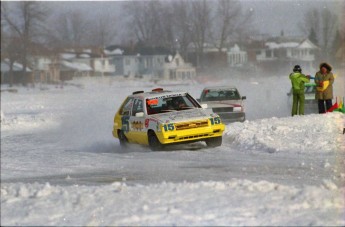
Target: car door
[
  {"x": 122, "y": 118},
  {"x": 137, "y": 130}
]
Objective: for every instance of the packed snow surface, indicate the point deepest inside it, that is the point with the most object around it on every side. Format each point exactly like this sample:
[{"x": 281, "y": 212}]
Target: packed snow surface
[{"x": 60, "y": 164}]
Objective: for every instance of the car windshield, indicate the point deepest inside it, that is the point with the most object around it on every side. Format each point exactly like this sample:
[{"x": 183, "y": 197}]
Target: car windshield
[
  {"x": 219, "y": 95},
  {"x": 309, "y": 89},
  {"x": 169, "y": 103}
]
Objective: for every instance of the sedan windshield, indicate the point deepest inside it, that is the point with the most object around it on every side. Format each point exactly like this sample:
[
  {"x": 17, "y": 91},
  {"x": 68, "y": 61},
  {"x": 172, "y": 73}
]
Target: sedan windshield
[
  {"x": 169, "y": 103},
  {"x": 219, "y": 95}
]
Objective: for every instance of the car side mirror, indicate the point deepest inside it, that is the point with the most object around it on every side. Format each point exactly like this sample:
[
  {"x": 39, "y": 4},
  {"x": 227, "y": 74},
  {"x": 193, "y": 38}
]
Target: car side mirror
[
  {"x": 139, "y": 114},
  {"x": 204, "y": 106},
  {"x": 244, "y": 97}
]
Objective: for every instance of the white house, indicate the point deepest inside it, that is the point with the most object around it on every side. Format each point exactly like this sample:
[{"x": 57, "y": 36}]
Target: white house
[
  {"x": 175, "y": 68},
  {"x": 288, "y": 52},
  {"x": 236, "y": 56}
]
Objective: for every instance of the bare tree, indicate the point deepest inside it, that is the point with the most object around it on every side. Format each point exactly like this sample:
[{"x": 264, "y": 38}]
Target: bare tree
[
  {"x": 324, "y": 24},
  {"x": 24, "y": 21},
  {"x": 200, "y": 22},
  {"x": 228, "y": 13},
  {"x": 329, "y": 29},
  {"x": 102, "y": 30},
  {"x": 69, "y": 29},
  {"x": 145, "y": 20},
  {"x": 311, "y": 22},
  {"x": 181, "y": 13}
]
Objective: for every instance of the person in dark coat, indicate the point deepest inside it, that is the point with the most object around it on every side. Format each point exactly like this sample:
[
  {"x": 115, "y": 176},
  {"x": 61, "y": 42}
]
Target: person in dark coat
[{"x": 324, "y": 87}]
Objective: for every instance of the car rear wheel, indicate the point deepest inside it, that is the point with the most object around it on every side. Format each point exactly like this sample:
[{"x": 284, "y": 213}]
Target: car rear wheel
[
  {"x": 123, "y": 140},
  {"x": 214, "y": 141},
  {"x": 154, "y": 143}
]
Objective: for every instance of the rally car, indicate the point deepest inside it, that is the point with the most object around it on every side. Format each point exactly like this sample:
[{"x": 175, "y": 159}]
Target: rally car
[
  {"x": 161, "y": 117},
  {"x": 225, "y": 101}
]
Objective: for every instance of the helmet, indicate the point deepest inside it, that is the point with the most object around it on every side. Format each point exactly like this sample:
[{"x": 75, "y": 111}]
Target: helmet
[{"x": 297, "y": 68}]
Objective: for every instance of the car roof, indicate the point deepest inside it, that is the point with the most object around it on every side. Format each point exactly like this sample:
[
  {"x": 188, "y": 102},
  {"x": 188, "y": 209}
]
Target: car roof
[
  {"x": 220, "y": 88},
  {"x": 154, "y": 94}
]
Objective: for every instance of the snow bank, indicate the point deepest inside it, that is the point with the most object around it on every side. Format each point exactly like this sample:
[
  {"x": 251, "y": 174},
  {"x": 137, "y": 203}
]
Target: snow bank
[
  {"x": 234, "y": 202},
  {"x": 310, "y": 133}
]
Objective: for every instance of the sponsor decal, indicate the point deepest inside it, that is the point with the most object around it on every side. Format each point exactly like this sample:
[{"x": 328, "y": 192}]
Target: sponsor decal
[
  {"x": 166, "y": 96},
  {"x": 152, "y": 102},
  {"x": 147, "y": 122},
  {"x": 125, "y": 123},
  {"x": 137, "y": 125}
]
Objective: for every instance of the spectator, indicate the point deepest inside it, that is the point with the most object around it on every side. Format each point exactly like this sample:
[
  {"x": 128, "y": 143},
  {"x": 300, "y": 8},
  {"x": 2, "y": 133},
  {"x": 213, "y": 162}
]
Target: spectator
[
  {"x": 324, "y": 87},
  {"x": 297, "y": 81}
]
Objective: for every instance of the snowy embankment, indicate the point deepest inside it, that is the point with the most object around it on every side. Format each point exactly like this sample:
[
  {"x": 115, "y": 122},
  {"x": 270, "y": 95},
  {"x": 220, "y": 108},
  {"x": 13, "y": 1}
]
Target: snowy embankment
[
  {"x": 236, "y": 202},
  {"x": 311, "y": 133}
]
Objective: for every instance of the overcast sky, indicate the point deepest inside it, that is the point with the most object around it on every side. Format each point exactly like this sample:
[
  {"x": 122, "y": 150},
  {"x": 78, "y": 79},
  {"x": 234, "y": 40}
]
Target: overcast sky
[{"x": 272, "y": 16}]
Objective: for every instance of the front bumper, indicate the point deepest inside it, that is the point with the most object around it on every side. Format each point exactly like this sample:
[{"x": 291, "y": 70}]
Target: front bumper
[{"x": 190, "y": 135}]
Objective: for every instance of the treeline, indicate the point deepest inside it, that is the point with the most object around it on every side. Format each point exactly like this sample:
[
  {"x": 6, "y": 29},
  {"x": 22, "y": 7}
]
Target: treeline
[{"x": 34, "y": 26}]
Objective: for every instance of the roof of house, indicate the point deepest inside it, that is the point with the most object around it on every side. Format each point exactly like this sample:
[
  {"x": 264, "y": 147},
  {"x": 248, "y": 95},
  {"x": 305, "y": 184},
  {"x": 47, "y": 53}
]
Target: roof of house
[
  {"x": 76, "y": 66},
  {"x": 136, "y": 50},
  {"x": 5, "y": 67},
  {"x": 286, "y": 42}
]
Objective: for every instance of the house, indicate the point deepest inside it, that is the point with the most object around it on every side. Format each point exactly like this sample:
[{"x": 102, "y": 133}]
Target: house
[
  {"x": 15, "y": 76},
  {"x": 211, "y": 56},
  {"x": 237, "y": 57},
  {"x": 154, "y": 63},
  {"x": 283, "y": 53},
  {"x": 68, "y": 70},
  {"x": 175, "y": 68},
  {"x": 100, "y": 64},
  {"x": 137, "y": 62},
  {"x": 42, "y": 70}
]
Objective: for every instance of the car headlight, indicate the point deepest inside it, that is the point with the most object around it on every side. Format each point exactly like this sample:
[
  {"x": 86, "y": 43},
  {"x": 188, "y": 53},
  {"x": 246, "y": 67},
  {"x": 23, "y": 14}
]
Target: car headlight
[{"x": 237, "y": 109}]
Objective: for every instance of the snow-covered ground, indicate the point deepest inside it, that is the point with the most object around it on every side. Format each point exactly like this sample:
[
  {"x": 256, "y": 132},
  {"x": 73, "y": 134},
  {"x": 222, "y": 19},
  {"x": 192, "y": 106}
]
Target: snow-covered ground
[{"x": 60, "y": 164}]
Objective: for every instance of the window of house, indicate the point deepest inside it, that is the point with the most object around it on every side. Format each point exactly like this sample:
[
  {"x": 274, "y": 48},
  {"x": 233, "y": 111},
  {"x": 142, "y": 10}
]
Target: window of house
[
  {"x": 177, "y": 61},
  {"x": 268, "y": 53}
]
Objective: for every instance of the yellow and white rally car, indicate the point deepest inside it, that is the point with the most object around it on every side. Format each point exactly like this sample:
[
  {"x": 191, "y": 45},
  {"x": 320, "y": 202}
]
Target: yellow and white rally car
[{"x": 160, "y": 117}]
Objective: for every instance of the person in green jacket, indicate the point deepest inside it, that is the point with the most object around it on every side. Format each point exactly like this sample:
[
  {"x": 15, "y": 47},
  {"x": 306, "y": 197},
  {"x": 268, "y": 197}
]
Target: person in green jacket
[
  {"x": 324, "y": 91},
  {"x": 297, "y": 81}
]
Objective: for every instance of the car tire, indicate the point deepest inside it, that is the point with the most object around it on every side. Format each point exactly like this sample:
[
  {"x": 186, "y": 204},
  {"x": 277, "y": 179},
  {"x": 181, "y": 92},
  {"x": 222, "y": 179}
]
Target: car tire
[
  {"x": 123, "y": 139},
  {"x": 154, "y": 143},
  {"x": 214, "y": 141}
]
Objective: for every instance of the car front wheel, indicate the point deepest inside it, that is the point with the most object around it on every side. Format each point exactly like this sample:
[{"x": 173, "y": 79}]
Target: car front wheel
[
  {"x": 154, "y": 143},
  {"x": 214, "y": 141}
]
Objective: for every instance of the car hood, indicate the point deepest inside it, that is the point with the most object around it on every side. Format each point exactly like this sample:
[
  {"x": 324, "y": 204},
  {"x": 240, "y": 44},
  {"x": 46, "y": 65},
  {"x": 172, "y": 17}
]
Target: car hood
[
  {"x": 225, "y": 103},
  {"x": 183, "y": 116}
]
